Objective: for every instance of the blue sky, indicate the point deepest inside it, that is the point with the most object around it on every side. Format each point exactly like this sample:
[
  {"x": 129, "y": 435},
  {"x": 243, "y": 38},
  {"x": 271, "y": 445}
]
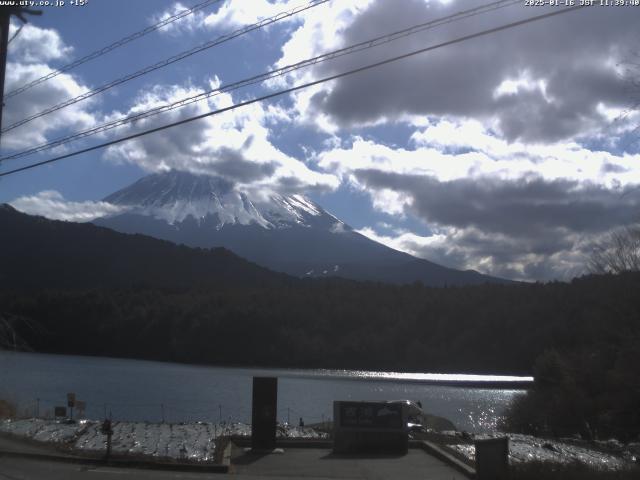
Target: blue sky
[{"x": 510, "y": 154}]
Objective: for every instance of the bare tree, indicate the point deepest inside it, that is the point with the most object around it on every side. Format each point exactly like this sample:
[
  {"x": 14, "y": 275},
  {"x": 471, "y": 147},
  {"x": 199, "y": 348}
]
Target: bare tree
[
  {"x": 9, "y": 337},
  {"x": 619, "y": 252}
]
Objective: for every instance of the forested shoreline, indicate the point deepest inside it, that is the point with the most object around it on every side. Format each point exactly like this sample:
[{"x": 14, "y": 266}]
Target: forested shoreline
[
  {"x": 580, "y": 339},
  {"x": 335, "y": 323}
]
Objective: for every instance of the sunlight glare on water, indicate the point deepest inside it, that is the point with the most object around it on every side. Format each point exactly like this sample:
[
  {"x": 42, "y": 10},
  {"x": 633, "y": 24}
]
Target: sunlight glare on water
[
  {"x": 136, "y": 390},
  {"x": 427, "y": 377}
]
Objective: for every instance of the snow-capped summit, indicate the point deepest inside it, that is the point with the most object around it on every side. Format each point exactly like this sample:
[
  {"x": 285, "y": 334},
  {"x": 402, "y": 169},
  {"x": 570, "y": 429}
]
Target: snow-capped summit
[
  {"x": 290, "y": 234},
  {"x": 174, "y": 196}
]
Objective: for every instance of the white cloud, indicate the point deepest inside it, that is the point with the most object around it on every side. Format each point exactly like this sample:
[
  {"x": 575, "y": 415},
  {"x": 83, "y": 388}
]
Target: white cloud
[
  {"x": 234, "y": 145},
  {"x": 321, "y": 31},
  {"x": 522, "y": 83},
  {"x": 228, "y": 16},
  {"x": 516, "y": 122},
  {"x": 188, "y": 23},
  {"x": 523, "y": 211},
  {"x": 30, "y": 52},
  {"x": 404, "y": 241},
  {"x": 567, "y": 160},
  {"x": 449, "y": 150},
  {"x": 51, "y": 204},
  {"x": 534, "y": 83},
  {"x": 37, "y": 45},
  {"x": 497, "y": 255},
  {"x": 233, "y": 14}
]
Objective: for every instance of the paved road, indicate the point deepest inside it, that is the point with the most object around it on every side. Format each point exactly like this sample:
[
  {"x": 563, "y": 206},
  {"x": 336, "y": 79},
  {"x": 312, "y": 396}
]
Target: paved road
[
  {"x": 307, "y": 463},
  {"x": 12, "y": 444},
  {"x": 26, "y": 469},
  {"x": 313, "y": 464}
]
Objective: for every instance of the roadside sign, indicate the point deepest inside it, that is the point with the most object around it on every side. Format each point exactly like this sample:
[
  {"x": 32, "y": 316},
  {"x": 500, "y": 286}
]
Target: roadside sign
[
  {"x": 80, "y": 406},
  {"x": 371, "y": 427},
  {"x": 71, "y": 400},
  {"x": 371, "y": 415}
]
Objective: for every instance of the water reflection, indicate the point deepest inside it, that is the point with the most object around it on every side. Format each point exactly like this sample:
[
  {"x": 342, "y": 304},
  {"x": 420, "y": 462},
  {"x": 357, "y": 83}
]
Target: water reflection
[
  {"x": 148, "y": 391},
  {"x": 425, "y": 377}
]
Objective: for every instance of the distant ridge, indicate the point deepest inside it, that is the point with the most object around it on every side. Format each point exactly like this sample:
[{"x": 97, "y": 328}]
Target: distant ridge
[{"x": 36, "y": 252}]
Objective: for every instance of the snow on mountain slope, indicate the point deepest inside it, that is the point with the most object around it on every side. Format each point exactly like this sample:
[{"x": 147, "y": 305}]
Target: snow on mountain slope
[
  {"x": 174, "y": 196},
  {"x": 290, "y": 234}
]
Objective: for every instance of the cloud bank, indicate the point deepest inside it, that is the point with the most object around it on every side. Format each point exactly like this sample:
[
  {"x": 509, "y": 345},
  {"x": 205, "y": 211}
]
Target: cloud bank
[
  {"x": 235, "y": 145},
  {"x": 541, "y": 82},
  {"x": 52, "y": 204}
]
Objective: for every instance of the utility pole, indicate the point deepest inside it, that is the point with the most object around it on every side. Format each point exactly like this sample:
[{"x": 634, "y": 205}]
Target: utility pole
[{"x": 5, "y": 17}]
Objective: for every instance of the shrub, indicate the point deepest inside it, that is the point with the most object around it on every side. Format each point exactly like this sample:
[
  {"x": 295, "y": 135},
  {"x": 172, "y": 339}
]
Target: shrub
[
  {"x": 7, "y": 409},
  {"x": 591, "y": 393}
]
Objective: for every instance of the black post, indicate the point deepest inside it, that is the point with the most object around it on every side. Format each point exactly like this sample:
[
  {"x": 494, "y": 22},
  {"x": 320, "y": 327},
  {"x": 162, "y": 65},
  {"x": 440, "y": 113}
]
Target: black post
[
  {"x": 109, "y": 434},
  {"x": 264, "y": 410},
  {"x": 107, "y": 429}
]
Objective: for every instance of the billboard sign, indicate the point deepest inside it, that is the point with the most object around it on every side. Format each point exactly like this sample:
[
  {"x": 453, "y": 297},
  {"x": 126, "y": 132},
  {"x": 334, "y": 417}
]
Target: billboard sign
[{"x": 371, "y": 415}]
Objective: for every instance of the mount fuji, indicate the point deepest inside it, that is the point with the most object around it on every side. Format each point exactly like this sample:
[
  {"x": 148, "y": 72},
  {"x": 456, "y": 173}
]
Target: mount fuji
[{"x": 289, "y": 234}]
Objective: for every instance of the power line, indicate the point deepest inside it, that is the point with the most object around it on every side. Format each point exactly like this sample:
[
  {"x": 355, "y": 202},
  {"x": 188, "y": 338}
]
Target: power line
[
  {"x": 371, "y": 43},
  {"x": 111, "y": 47},
  {"x": 13, "y": 37},
  {"x": 268, "y": 75},
  {"x": 169, "y": 61},
  {"x": 299, "y": 87}
]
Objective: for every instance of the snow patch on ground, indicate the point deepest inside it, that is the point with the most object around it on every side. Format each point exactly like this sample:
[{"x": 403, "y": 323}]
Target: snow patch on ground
[
  {"x": 526, "y": 448},
  {"x": 193, "y": 442}
]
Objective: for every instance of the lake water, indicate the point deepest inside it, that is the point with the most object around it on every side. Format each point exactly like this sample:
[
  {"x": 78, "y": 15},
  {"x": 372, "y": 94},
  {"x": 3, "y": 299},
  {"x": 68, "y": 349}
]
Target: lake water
[{"x": 138, "y": 390}]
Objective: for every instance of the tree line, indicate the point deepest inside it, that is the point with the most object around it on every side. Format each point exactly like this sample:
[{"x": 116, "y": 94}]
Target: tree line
[
  {"x": 591, "y": 326},
  {"x": 335, "y": 323}
]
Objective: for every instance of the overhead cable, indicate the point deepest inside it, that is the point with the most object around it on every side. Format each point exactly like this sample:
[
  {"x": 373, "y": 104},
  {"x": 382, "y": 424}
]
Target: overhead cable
[
  {"x": 109, "y": 48},
  {"x": 371, "y": 43},
  {"x": 299, "y": 87},
  {"x": 13, "y": 37},
  {"x": 175, "y": 58}
]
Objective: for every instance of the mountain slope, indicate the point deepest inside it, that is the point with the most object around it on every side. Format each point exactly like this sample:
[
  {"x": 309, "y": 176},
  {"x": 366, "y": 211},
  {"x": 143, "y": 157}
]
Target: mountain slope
[
  {"x": 37, "y": 252},
  {"x": 289, "y": 234}
]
